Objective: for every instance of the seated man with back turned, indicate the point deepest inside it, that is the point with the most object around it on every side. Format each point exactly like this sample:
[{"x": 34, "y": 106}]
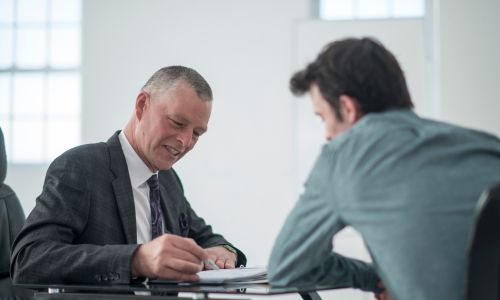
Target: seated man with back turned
[
  {"x": 408, "y": 185},
  {"x": 114, "y": 211}
]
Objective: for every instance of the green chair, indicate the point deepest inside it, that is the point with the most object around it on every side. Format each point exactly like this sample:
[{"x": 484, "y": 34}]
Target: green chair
[{"x": 483, "y": 276}]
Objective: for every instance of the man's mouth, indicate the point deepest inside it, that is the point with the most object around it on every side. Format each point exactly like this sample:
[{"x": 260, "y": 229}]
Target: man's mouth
[{"x": 174, "y": 152}]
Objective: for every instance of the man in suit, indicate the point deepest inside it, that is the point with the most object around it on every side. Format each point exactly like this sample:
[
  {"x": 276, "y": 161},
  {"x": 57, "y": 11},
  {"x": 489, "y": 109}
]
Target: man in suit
[
  {"x": 115, "y": 211},
  {"x": 408, "y": 185}
]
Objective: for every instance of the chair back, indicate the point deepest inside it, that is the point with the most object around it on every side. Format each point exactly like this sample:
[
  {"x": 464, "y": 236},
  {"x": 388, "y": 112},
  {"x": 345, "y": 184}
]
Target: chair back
[
  {"x": 11, "y": 221},
  {"x": 483, "y": 274}
]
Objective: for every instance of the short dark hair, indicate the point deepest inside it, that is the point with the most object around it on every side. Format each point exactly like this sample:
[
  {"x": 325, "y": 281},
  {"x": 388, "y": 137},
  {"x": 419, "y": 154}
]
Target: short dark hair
[
  {"x": 167, "y": 77},
  {"x": 361, "y": 68}
]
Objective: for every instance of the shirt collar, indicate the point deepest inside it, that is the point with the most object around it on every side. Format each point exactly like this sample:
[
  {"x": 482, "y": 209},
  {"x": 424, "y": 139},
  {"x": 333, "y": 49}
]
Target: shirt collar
[{"x": 137, "y": 169}]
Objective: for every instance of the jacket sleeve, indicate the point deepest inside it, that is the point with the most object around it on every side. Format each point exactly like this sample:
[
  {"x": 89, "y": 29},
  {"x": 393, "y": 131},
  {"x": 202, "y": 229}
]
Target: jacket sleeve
[
  {"x": 47, "y": 248},
  {"x": 302, "y": 254}
]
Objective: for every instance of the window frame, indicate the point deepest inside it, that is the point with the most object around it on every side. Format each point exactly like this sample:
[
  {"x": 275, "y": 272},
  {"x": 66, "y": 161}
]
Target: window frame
[{"x": 8, "y": 116}]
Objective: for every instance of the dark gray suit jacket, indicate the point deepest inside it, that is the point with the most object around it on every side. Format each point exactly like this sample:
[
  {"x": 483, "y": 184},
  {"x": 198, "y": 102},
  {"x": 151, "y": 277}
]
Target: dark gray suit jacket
[{"x": 83, "y": 228}]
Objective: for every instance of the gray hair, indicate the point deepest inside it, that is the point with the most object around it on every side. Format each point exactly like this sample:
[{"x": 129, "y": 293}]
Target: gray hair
[{"x": 168, "y": 77}]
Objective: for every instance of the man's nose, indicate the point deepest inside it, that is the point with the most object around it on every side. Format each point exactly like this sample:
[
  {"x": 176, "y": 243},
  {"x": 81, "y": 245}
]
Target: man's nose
[{"x": 185, "y": 137}]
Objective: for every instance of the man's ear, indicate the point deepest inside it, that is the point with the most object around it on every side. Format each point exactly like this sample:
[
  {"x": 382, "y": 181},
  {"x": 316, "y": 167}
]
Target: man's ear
[
  {"x": 350, "y": 109},
  {"x": 140, "y": 104}
]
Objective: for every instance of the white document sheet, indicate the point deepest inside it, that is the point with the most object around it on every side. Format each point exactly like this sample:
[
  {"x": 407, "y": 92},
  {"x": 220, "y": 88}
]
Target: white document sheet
[{"x": 237, "y": 275}]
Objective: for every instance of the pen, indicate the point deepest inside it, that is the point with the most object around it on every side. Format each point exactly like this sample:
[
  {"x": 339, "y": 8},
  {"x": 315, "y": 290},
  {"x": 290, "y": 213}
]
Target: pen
[{"x": 211, "y": 264}]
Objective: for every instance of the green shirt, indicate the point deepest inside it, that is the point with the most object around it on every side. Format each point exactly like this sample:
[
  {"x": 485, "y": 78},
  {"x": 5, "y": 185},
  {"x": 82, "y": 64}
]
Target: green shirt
[{"x": 409, "y": 186}]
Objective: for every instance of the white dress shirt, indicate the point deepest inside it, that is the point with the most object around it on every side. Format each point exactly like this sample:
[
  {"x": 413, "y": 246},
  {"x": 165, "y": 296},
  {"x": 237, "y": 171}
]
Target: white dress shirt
[{"x": 139, "y": 174}]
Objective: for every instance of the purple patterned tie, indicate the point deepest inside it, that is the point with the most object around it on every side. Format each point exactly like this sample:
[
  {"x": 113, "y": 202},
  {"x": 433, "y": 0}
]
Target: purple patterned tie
[{"x": 154, "y": 202}]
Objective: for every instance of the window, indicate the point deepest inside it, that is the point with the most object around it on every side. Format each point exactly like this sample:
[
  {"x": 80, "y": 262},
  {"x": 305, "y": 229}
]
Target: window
[
  {"x": 39, "y": 78},
  {"x": 370, "y": 9}
]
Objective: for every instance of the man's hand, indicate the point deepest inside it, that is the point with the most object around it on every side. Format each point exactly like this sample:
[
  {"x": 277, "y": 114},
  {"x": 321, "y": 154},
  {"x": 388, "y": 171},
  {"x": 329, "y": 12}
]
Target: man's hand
[
  {"x": 222, "y": 257},
  {"x": 384, "y": 295},
  {"x": 170, "y": 257}
]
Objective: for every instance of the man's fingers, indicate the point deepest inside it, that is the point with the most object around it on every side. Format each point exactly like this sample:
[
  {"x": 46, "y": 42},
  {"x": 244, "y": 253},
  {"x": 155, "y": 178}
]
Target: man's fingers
[
  {"x": 184, "y": 255},
  {"x": 170, "y": 257},
  {"x": 190, "y": 246},
  {"x": 229, "y": 264},
  {"x": 222, "y": 257},
  {"x": 183, "y": 266},
  {"x": 225, "y": 263},
  {"x": 220, "y": 262}
]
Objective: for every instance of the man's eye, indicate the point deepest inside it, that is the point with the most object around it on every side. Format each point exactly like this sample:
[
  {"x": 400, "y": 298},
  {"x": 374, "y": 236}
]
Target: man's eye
[{"x": 176, "y": 123}]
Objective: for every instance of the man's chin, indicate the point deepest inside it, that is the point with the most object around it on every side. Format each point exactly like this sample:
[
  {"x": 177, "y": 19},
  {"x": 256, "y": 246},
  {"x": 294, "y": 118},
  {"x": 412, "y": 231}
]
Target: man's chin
[{"x": 165, "y": 165}]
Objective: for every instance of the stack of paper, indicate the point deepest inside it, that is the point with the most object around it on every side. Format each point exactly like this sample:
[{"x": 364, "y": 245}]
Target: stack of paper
[{"x": 237, "y": 275}]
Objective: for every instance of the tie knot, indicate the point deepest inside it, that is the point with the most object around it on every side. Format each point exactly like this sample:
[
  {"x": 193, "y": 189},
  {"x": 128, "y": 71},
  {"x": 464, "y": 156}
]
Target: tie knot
[{"x": 153, "y": 182}]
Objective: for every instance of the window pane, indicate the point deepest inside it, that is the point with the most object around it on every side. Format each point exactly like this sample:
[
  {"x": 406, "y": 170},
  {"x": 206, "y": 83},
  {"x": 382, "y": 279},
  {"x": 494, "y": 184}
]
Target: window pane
[
  {"x": 4, "y": 94},
  {"x": 40, "y": 109},
  {"x": 65, "y": 10},
  {"x": 336, "y": 9},
  {"x": 5, "y": 125},
  {"x": 27, "y": 140},
  {"x": 28, "y": 93},
  {"x": 32, "y": 10},
  {"x": 62, "y": 135},
  {"x": 65, "y": 47},
  {"x": 6, "y": 11},
  {"x": 409, "y": 8},
  {"x": 373, "y": 9},
  {"x": 64, "y": 94},
  {"x": 352, "y": 9},
  {"x": 31, "y": 47},
  {"x": 6, "y": 47}
]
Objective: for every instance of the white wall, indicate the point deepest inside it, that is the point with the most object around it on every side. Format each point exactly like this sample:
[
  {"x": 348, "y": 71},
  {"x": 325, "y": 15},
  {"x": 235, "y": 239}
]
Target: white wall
[
  {"x": 241, "y": 175},
  {"x": 469, "y": 35},
  {"x": 27, "y": 182}
]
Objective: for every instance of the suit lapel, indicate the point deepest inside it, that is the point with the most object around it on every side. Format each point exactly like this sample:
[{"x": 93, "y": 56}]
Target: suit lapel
[
  {"x": 173, "y": 205},
  {"x": 165, "y": 199},
  {"x": 122, "y": 189}
]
